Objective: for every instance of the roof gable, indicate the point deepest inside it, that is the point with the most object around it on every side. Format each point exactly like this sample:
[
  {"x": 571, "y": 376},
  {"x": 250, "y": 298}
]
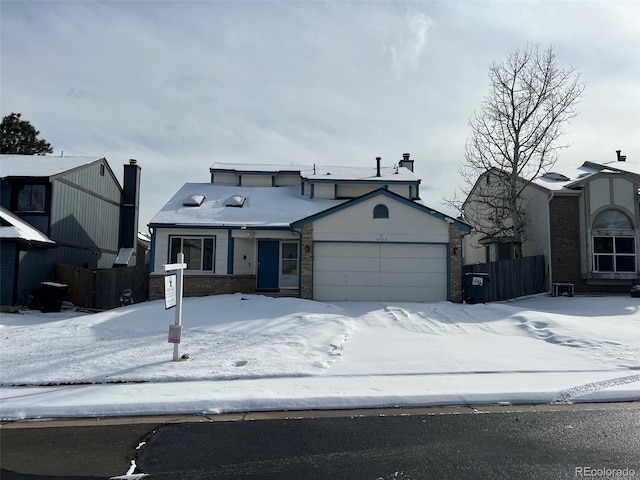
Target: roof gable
[
  {"x": 617, "y": 166},
  {"x": 42, "y": 165},
  {"x": 385, "y": 193}
]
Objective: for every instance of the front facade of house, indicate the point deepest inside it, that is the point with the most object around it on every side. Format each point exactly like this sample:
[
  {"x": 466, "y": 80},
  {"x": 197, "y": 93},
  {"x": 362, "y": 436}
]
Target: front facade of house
[
  {"x": 77, "y": 210},
  {"x": 324, "y": 233},
  {"x": 586, "y": 223}
]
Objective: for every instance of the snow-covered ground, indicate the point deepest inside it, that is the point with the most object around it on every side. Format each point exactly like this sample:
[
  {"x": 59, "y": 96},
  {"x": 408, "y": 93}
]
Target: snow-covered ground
[{"x": 251, "y": 353}]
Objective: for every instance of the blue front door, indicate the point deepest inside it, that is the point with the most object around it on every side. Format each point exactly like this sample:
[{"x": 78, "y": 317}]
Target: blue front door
[{"x": 268, "y": 263}]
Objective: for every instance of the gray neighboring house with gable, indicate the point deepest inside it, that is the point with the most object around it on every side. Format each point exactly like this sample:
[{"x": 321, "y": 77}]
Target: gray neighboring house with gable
[{"x": 69, "y": 210}]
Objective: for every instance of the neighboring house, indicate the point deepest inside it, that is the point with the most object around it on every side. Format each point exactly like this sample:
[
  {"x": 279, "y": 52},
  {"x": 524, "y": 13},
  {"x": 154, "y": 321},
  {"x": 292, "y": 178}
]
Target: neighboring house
[
  {"x": 323, "y": 233},
  {"x": 143, "y": 249},
  {"x": 586, "y": 223},
  {"x": 69, "y": 210}
]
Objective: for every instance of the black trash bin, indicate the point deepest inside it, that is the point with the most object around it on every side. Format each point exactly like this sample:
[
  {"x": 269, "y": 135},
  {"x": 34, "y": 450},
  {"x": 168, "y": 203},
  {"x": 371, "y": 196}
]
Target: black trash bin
[
  {"x": 49, "y": 296},
  {"x": 476, "y": 287}
]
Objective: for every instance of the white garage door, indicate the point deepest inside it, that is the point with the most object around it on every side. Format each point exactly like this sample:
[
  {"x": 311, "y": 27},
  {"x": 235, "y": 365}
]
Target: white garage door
[{"x": 379, "y": 271}]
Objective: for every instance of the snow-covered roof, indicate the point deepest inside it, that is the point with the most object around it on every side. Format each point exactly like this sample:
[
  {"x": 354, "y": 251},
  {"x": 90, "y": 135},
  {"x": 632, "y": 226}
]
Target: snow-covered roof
[
  {"x": 40, "y": 165},
  {"x": 263, "y": 207},
  {"x": 20, "y": 230},
  {"x": 557, "y": 181},
  {"x": 144, "y": 237},
  {"x": 566, "y": 180},
  {"x": 628, "y": 166},
  {"x": 324, "y": 172}
]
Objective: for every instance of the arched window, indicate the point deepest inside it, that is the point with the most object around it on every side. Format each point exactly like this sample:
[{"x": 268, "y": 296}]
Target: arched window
[
  {"x": 614, "y": 243},
  {"x": 380, "y": 211},
  {"x": 612, "y": 220}
]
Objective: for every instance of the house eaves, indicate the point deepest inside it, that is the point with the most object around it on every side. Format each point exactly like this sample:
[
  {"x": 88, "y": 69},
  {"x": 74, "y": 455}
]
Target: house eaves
[
  {"x": 629, "y": 168},
  {"x": 47, "y": 166},
  {"x": 362, "y": 181},
  {"x": 581, "y": 182},
  {"x": 256, "y": 169},
  {"x": 386, "y": 193},
  {"x": 29, "y": 167},
  {"x": 17, "y": 229},
  {"x": 265, "y": 207}
]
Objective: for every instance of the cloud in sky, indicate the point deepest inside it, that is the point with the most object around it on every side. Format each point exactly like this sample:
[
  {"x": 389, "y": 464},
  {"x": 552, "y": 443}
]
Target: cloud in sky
[
  {"x": 405, "y": 38},
  {"x": 181, "y": 85}
]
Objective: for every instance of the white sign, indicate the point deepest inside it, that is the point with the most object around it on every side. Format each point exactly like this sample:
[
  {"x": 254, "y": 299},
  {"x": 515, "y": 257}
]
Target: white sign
[
  {"x": 170, "y": 283},
  {"x": 175, "y": 333},
  {"x": 477, "y": 281}
]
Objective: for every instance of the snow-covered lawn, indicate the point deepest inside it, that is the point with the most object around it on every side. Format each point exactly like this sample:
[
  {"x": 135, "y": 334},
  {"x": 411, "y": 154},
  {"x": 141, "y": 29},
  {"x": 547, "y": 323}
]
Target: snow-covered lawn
[{"x": 250, "y": 352}]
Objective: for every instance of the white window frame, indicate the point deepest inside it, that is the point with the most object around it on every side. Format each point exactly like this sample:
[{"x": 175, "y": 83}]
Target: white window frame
[
  {"x": 614, "y": 254},
  {"x": 621, "y": 228},
  {"x": 284, "y": 277},
  {"x": 188, "y": 260}
]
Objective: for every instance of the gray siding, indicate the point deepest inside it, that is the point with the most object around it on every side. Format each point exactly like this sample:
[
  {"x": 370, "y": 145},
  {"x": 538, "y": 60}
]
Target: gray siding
[
  {"x": 89, "y": 178},
  {"x": 8, "y": 252},
  {"x": 35, "y": 267},
  {"x": 85, "y": 216}
]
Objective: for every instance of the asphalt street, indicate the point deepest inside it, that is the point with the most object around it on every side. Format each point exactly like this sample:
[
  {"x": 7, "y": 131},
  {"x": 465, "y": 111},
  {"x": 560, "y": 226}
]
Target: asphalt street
[{"x": 508, "y": 442}]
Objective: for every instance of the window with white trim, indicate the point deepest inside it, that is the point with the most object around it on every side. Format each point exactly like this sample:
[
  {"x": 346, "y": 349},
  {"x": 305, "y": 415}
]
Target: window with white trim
[
  {"x": 198, "y": 252},
  {"x": 614, "y": 243}
]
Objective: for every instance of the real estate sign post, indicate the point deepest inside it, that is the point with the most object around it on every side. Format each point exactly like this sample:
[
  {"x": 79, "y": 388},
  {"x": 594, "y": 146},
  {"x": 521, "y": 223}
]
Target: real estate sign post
[
  {"x": 174, "y": 298},
  {"x": 170, "y": 288}
]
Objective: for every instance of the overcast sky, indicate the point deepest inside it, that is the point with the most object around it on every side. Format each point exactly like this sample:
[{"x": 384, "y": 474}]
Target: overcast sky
[{"x": 181, "y": 85}]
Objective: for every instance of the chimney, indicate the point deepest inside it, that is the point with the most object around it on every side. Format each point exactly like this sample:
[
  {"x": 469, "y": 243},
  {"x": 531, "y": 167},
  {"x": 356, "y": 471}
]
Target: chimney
[
  {"x": 129, "y": 205},
  {"x": 621, "y": 158},
  {"x": 406, "y": 161},
  {"x": 378, "y": 166}
]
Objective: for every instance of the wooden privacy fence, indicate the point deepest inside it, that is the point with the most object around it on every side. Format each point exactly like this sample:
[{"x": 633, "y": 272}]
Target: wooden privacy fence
[
  {"x": 102, "y": 289},
  {"x": 511, "y": 278}
]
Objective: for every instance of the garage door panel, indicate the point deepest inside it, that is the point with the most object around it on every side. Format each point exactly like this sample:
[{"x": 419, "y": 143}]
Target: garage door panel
[
  {"x": 351, "y": 250},
  {"x": 412, "y": 265},
  {"x": 346, "y": 265},
  {"x": 380, "y": 271},
  {"x": 411, "y": 251},
  {"x": 346, "y": 279},
  {"x": 424, "y": 279}
]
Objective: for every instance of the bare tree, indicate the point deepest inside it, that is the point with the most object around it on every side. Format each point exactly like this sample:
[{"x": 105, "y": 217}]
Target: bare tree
[{"x": 514, "y": 138}]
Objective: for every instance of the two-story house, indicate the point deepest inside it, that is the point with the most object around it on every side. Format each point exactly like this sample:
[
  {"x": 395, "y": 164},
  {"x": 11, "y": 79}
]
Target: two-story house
[
  {"x": 317, "y": 232},
  {"x": 69, "y": 210},
  {"x": 586, "y": 222}
]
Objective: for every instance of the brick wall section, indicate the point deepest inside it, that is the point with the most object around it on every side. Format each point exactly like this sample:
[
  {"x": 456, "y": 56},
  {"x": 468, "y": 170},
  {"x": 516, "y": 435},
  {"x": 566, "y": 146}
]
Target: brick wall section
[
  {"x": 455, "y": 264},
  {"x": 306, "y": 265},
  {"x": 203, "y": 285},
  {"x": 565, "y": 240}
]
